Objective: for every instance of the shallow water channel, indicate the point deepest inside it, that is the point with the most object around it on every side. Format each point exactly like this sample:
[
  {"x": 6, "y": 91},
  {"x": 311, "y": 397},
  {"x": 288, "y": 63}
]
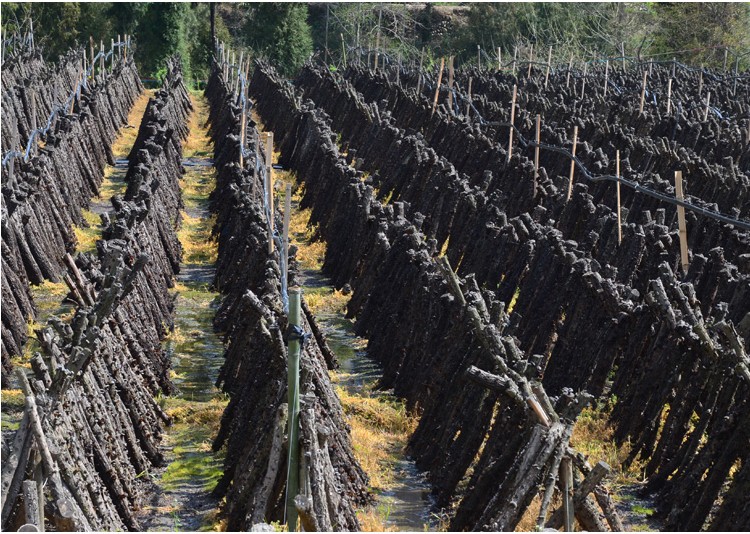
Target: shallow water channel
[{"x": 406, "y": 504}]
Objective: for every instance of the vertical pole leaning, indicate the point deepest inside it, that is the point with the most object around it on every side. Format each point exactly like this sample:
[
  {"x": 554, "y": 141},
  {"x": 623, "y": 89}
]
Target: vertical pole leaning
[
  {"x": 566, "y": 469},
  {"x": 437, "y": 88},
  {"x": 292, "y": 480},
  {"x": 619, "y": 216},
  {"x": 572, "y": 162},
  {"x": 512, "y": 120},
  {"x": 269, "y": 188},
  {"x": 681, "y": 222}
]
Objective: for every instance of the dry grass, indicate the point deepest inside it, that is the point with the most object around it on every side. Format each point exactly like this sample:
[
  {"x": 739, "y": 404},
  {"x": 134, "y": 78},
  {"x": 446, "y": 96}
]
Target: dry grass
[
  {"x": 329, "y": 302},
  {"x": 128, "y": 134},
  {"x": 198, "y": 143},
  {"x": 87, "y": 236},
  {"x": 380, "y": 429},
  {"x": 198, "y": 245},
  {"x": 372, "y": 519}
]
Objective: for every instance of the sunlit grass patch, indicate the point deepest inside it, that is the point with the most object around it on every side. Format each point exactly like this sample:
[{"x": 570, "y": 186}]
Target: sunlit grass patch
[
  {"x": 128, "y": 134},
  {"x": 326, "y": 302},
  {"x": 373, "y": 518},
  {"x": 88, "y": 235},
  {"x": 198, "y": 142},
  {"x": 198, "y": 245}
]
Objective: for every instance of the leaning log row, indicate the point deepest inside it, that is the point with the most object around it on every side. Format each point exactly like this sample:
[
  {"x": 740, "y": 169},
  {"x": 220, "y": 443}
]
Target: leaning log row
[
  {"x": 91, "y": 408},
  {"x": 44, "y": 198},
  {"x": 255, "y": 371},
  {"x": 568, "y": 305}
]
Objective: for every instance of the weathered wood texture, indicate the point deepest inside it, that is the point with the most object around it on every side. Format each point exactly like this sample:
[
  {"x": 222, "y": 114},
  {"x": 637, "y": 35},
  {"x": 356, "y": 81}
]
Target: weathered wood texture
[
  {"x": 46, "y": 195},
  {"x": 94, "y": 385},
  {"x": 591, "y": 307},
  {"x": 255, "y": 373}
]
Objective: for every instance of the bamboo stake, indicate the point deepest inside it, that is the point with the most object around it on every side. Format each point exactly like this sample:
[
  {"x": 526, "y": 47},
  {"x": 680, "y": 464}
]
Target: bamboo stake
[
  {"x": 619, "y": 215},
  {"x": 119, "y": 47},
  {"x": 606, "y": 77},
  {"x": 450, "y": 85},
  {"x": 570, "y": 66},
  {"x": 343, "y": 48},
  {"x": 437, "y": 89},
  {"x": 669, "y": 97},
  {"x": 549, "y": 64},
  {"x": 101, "y": 58},
  {"x": 531, "y": 58},
  {"x": 468, "y": 104},
  {"x": 269, "y": 188},
  {"x": 292, "y": 482},
  {"x": 583, "y": 85},
  {"x": 708, "y": 102},
  {"x": 93, "y": 61},
  {"x": 726, "y": 55},
  {"x": 479, "y": 57},
  {"x": 622, "y": 50},
  {"x": 112, "y": 57},
  {"x": 700, "y": 81},
  {"x": 681, "y": 222},
  {"x": 499, "y": 59},
  {"x": 643, "y": 93},
  {"x": 512, "y": 120},
  {"x": 127, "y": 45},
  {"x": 572, "y": 162}
]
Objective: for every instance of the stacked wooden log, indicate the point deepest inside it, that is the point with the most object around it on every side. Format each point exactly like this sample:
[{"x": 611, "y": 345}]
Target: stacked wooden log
[
  {"x": 91, "y": 412},
  {"x": 572, "y": 293},
  {"x": 44, "y": 198},
  {"x": 252, "y": 314}
]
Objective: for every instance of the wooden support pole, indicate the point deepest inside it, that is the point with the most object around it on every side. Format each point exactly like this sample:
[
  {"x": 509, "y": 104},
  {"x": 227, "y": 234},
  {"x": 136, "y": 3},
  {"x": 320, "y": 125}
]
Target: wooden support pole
[
  {"x": 708, "y": 106},
  {"x": 669, "y": 97},
  {"x": 583, "y": 85},
  {"x": 622, "y": 52},
  {"x": 91, "y": 49},
  {"x": 119, "y": 47},
  {"x": 515, "y": 56},
  {"x": 566, "y": 472},
  {"x": 450, "y": 85},
  {"x": 570, "y": 67},
  {"x": 499, "y": 59},
  {"x": 606, "y": 77},
  {"x": 619, "y": 215},
  {"x": 479, "y": 57},
  {"x": 726, "y": 55},
  {"x": 437, "y": 88},
  {"x": 293, "y": 351},
  {"x": 112, "y": 57},
  {"x": 39, "y": 482},
  {"x": 269, "y": 188},
  {"x": 31, "y": 503},
  {"x": 536, "y": 148},
  {"x": 469, "y": 103},
  {"x": 572, "y": 162},
  {"x": 531, "y": 59},
  {"x": 643, "y": 93},
  {"x": 343, "y": 48},
  {"x": 419, "y": 77},
  {"x": 512, "y": 121},
  {"x": 101, "y": 58},
  {"x": 549, "y": 65},
  {"x": 287, "y": 221},
  {"x": 674, "y": 66},
  {"x": 127, "y": 45},
  {"x": 681, "y": 222},
  {"x": 700, "y": 81},
  {"x": 243, "y": 127}
]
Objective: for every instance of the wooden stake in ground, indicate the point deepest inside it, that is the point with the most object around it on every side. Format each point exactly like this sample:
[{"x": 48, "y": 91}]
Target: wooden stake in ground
[
  {"x": 512, "y": 120},
  {"x": 450, "y": 85},
  {"x": 566, "y": 472},
  {"x": 499, "y": 59},
  {"x": 622, "y": 51},
  {"x": 531, "y": 60},
  {"x": 606, "y": 77},
  {"x": 681, "y": 222},
  {"x": 343, "y": 48},
  {"x": 119, "y": 47},
  {"x": 93, "y": 59},
  {"x": 101, "y": 58},
  {"x": 536, "y": 149},
  {"x": 643, "y": 93},
  {"x": 570, "y": 67},
  {"x": 619, "y": 216},
  {"x": 287, "y": 219},
  {"x": 469, "y": 103},
  {"x": 292, "y": 480},
  {"x": 419, "y": 78},
  {"x": 437, "y": 88},
  {"x": 269, "y": 188},
  {"x": 669, "y": 97},
  {"x": 515, "y": 56},
  {"x": 700, "y": 81},
  {"x": 572, "y": 162},
  {"x": 583, "y": 85},
  {"x": 479, "y": 57},
  {"x": 549, "y": 64},
  {"x": 708, "y": 106},
  {"x": 112, "y": 56}
]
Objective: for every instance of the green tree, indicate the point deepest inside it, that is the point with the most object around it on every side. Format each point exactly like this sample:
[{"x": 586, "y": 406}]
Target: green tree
[
  {"x": 281, "y": 33},
  {"x": 163, "y": 31}
]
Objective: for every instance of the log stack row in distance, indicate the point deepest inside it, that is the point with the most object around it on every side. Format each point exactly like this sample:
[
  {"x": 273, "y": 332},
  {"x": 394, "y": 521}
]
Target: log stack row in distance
[
  {"x": 255, "y": 372},
  {"x": 44, "y": 199},
  {"x": 96, "y": 381},
  {"x": 601, "y": 316}
]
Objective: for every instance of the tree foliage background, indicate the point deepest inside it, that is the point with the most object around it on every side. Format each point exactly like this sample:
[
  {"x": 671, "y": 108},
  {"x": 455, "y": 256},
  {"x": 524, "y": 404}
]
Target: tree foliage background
[{"x": 289, "y": 33}]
